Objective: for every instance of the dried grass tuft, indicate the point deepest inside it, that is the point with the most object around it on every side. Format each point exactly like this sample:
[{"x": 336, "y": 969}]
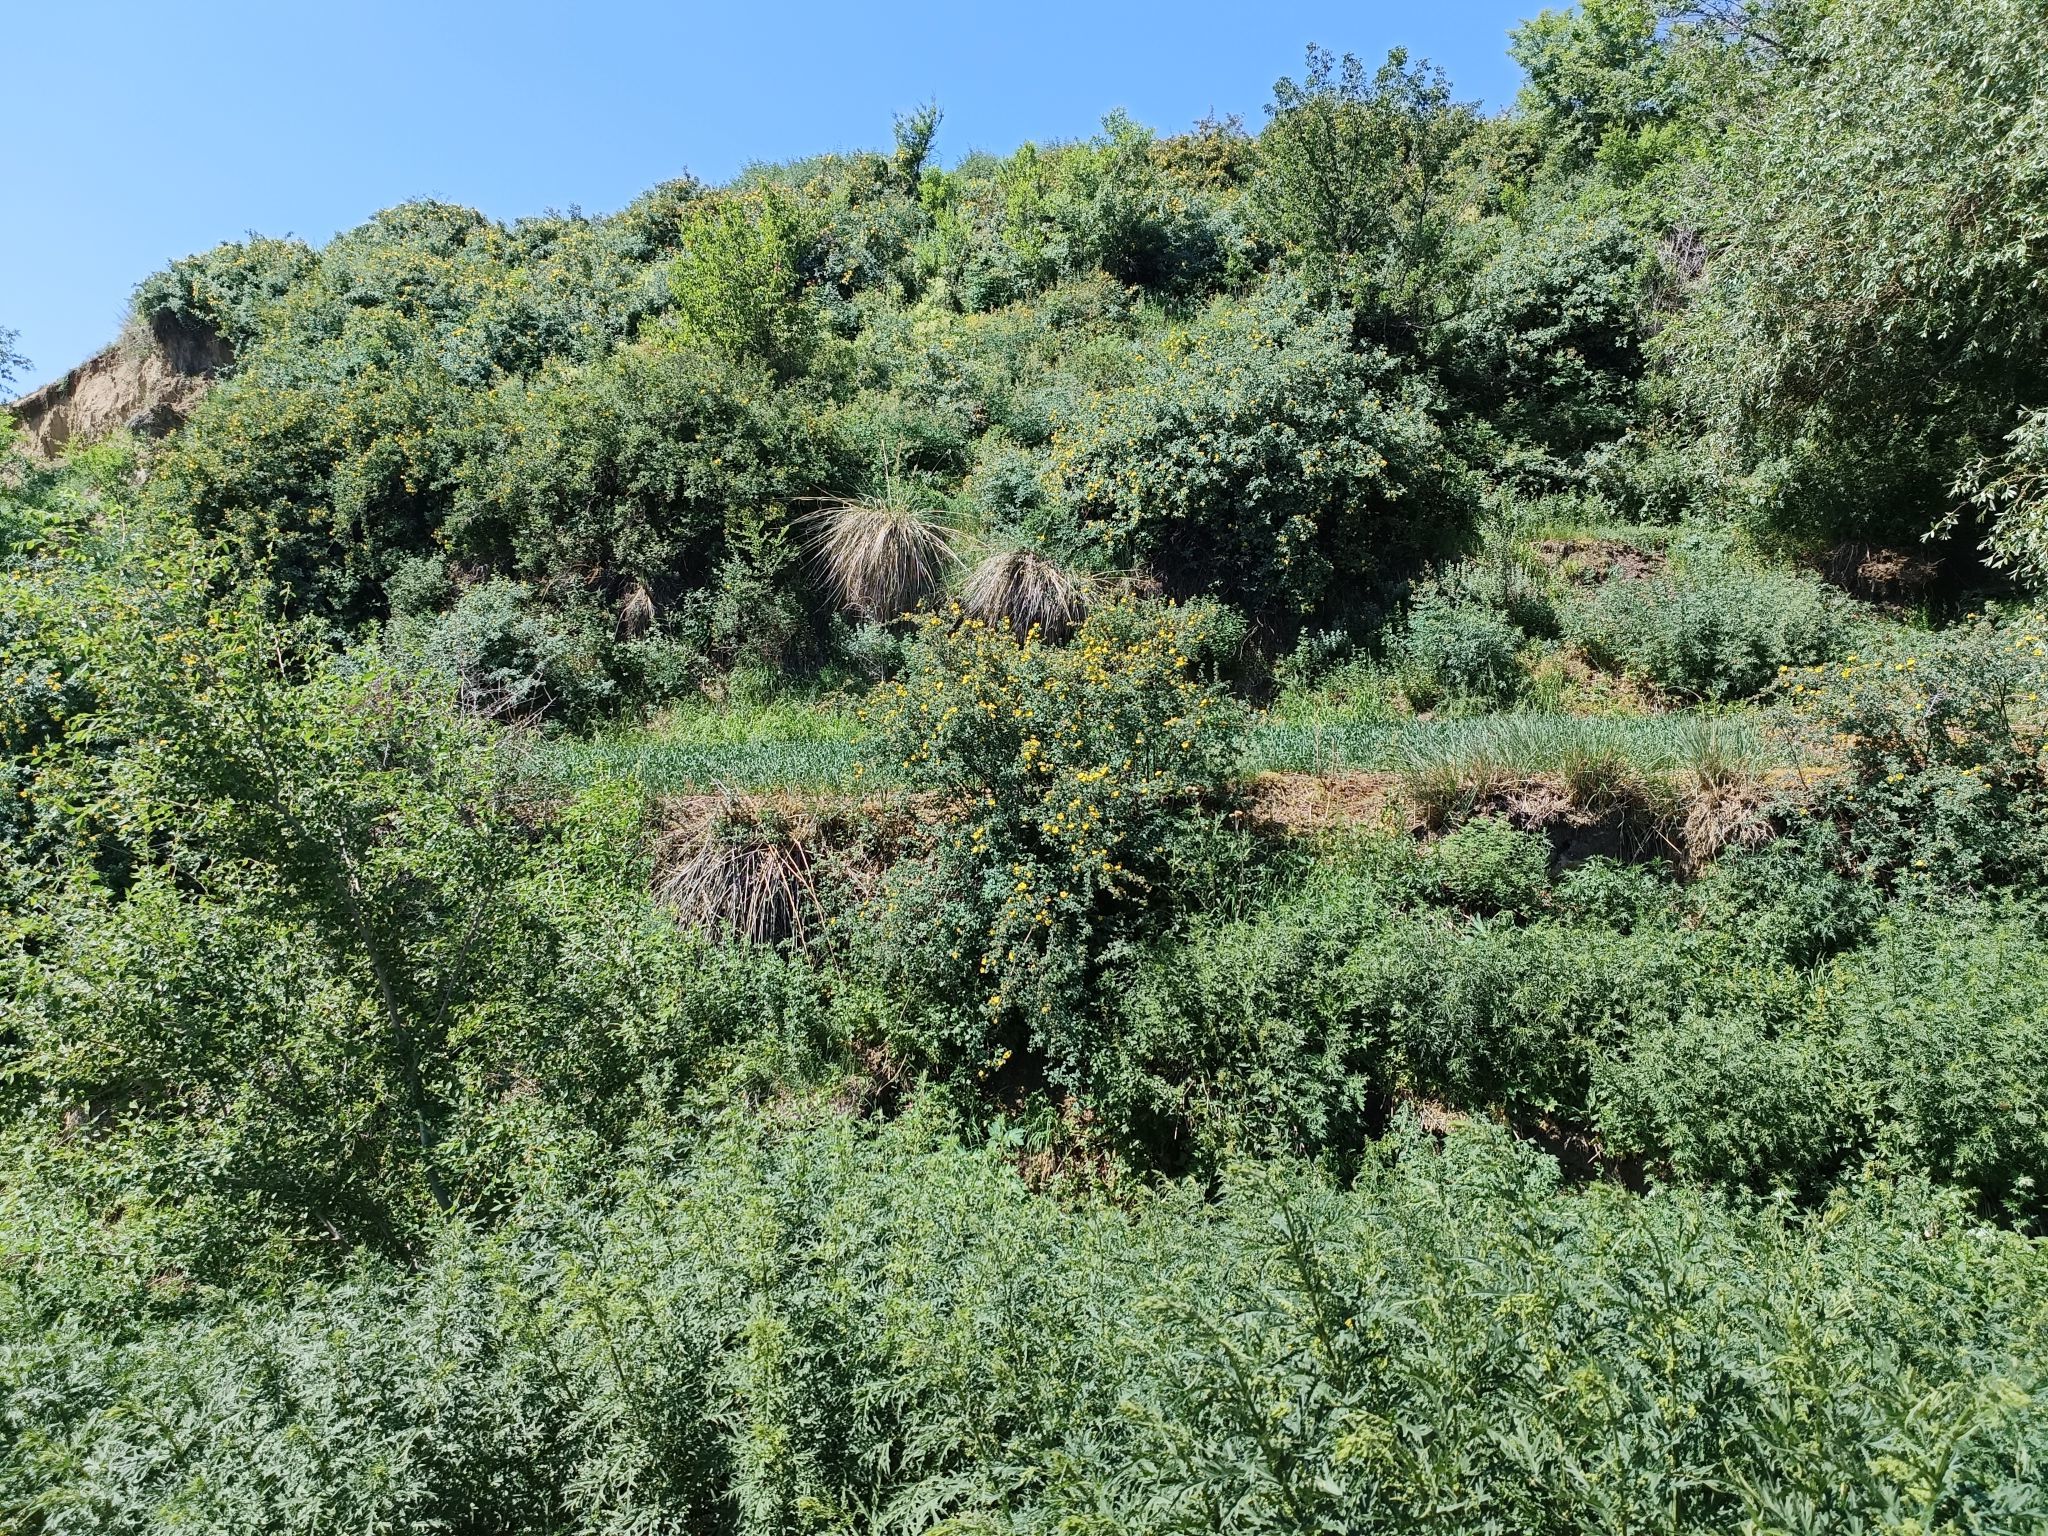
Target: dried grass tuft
[
  {"x": 880, "y": 559},
  {"x": 1026, "y": 591},
  {"x": 636, "y": 612},
  {"x": 744, "y": 876}
]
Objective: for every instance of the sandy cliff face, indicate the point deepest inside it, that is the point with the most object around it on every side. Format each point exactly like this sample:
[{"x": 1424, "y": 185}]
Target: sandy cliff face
[{"x": 146, "y": 382}]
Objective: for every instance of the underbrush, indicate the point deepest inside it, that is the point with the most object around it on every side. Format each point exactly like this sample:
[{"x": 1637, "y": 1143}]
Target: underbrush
[
  {"x": 1710, "y": 629},
  {"x": 829, "y": 1324},
  {"x": 1774, "y": 1026}
]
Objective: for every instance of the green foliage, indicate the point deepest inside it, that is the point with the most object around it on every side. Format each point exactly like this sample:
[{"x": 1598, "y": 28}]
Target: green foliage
[
  {"x": 509, "y": 659},
  {"x": 1854, "y": 351},
  {"x": 1592, "y": 71},
  {"x": 1071, "y": 772},
  {"x": 877, "y": 1328},
  {"x": 1487, "y": 866},
  {"x": 1452, "y": 650},
  {"x": 2010, "y": 491},
  {"x": 663, "y": 476},
  {"x": 1546, "y": 346},
  {"x": 380, "y": 1152},
  {"x": 11, "y": 361},
  {"x": 1005, "y": 230},
  {"x": 231, "y": 290},
  {"x": 1352, "y": 173},
  {"x": 1710, "y": 629},
  {"x": 1945, "y": 780},
  {"x": 739, "y": 282},
  {"x": 1259, "y": 457}
]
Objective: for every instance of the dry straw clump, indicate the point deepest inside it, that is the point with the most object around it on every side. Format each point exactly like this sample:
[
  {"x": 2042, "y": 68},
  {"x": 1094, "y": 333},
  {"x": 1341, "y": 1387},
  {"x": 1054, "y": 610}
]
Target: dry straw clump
[
  {"x": 1023, "y": 589},
  {"x": 744, "y": 874},
  {"x": 880, "y": 559}
]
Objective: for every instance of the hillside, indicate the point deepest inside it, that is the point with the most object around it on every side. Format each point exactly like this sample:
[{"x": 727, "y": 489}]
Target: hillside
[{"x": 1334, "y": 827}]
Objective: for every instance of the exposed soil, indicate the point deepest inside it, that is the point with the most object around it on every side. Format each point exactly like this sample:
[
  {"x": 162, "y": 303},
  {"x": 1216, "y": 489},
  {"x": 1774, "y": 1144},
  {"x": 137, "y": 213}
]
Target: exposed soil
[
  {"x": 147, "y": 382},
  {"x": 1588, "y": 561},
  {"x": 1311, "y": 802}
]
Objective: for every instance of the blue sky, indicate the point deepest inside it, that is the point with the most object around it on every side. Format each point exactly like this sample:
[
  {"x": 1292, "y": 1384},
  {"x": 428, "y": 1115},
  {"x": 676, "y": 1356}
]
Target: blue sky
[{"x": 142, "y": 132}]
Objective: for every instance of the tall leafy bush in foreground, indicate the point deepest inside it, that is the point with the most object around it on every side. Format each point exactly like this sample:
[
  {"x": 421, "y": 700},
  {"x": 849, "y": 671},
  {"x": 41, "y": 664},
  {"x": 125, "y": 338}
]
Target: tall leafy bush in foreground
[{"x": 1070, "y": 775}]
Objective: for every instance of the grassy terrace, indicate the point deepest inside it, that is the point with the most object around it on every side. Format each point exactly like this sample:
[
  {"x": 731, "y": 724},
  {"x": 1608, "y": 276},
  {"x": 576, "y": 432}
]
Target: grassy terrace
[{"x": 819, "y": 747}]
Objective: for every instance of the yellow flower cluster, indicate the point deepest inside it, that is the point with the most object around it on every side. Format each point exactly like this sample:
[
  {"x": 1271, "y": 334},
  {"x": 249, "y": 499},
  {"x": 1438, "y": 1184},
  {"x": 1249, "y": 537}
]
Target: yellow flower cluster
[{"x": 1061, "y": 761}]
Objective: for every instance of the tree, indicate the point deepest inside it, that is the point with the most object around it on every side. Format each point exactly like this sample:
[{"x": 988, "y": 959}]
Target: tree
[
  {"x": 1871, "y": 319},
  {"x": 740, "y": 283},
  {"x": 11, "y": 361},
  {"x": 1355, "y": 172}
]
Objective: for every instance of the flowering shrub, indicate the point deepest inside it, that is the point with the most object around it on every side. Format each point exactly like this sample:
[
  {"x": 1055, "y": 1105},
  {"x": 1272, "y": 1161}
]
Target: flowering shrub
[
  {"x": 1070, "y": 773},
  {"x": 1946, "y": 780}
]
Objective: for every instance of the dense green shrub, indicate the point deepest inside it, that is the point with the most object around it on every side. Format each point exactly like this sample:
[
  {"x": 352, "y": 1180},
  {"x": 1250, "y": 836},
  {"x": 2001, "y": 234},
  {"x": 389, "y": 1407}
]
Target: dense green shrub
[
  {"x": 509, "y": 659},
  {"x": 879, "y": 1327},
  {"x": 1918, "y": 1051},
  {"x": 1778, "y": 1027},
  {"x": 1487, "y": 866},
  {"x": 1546, "y": 346},
  {"x": 289, "y": 953},
  {"x": 1452, "y": 650},
  {"x": 634, "y": 474},
  {"x": 1069, "y": 771},
  {"x": 739, "y": 282},
  {"x": 1261, "y": 458},
  {"x": 1711, "y": 629}
]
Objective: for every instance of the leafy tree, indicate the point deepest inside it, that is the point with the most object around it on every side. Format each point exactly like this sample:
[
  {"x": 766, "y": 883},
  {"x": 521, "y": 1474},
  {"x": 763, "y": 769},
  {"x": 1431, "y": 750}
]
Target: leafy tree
[
  {"x": 1545, "y": 348},
  {"x": 2010, "y": 491},
  {"x": 915, "y": 132},
  {"x": 739, "y": 284},
  {"x": 1355, "y": 172},
  {"x": 1854, "y": 349},
  {"x": 11, "y": 361},
  {"x": 1590, "y": 71}
]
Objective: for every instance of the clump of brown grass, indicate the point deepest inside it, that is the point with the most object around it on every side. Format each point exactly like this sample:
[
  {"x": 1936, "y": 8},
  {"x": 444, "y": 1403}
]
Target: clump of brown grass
[
  {"x": 1025, "y": 590},
  {"x": 1599, "y": 779},
  {"x": 636, "y": 612},
  {"x": 880, "y": 558},
  {"x": 1726, "y": 799},
  {"x": 745, "y": 875}
]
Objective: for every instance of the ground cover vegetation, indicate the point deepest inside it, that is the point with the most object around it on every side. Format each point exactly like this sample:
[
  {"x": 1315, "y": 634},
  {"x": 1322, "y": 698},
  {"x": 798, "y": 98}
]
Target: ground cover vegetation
[{"x": 1337, "y": 825}]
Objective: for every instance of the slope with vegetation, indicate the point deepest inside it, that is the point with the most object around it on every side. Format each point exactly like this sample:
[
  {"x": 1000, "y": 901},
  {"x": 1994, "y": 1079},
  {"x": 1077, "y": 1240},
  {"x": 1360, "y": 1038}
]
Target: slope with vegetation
[{"x": 1342, "y": 828}]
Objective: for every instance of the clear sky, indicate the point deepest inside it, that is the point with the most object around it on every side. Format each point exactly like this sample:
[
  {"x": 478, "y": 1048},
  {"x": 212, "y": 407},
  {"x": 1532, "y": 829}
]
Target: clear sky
[{"x": 139, "y": 132}]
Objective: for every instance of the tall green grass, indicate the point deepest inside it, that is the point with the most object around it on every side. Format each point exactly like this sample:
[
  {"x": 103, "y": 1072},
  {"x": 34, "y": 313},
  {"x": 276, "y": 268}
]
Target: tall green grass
[
  {"x": 819, "y": 746},
  {"x": 781, "y": 744},
  {"x": 1522, "y": 744}
]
